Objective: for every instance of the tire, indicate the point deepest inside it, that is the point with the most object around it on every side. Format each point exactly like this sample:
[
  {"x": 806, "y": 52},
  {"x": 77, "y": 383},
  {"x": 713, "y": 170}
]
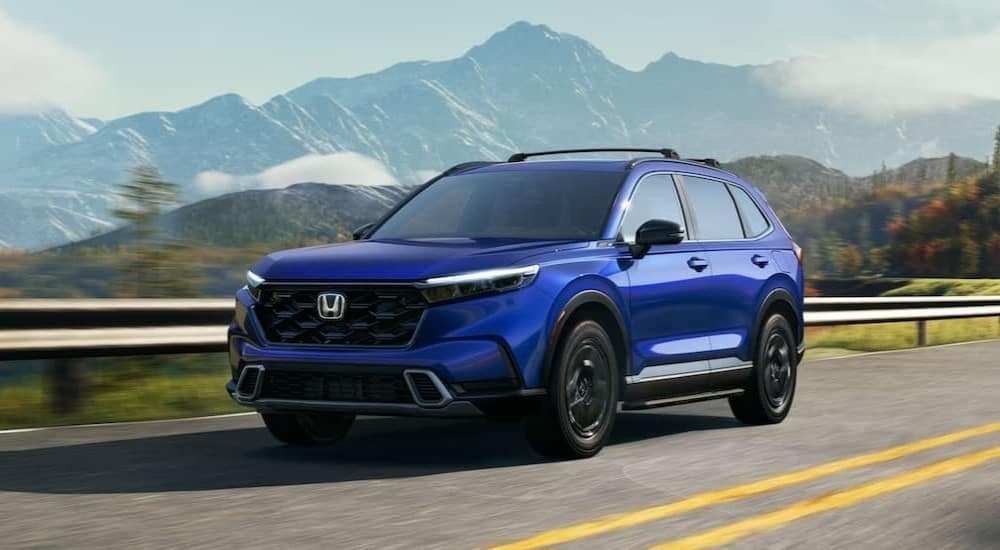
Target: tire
[
  {"x": 582, "y": 404},
  {"x": 308, "y": 429},
  {"x": 769, "y": 395}
]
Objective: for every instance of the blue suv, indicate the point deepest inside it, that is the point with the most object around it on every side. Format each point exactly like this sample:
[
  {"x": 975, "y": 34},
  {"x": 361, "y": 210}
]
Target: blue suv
[{"x": 555, "y": 292}]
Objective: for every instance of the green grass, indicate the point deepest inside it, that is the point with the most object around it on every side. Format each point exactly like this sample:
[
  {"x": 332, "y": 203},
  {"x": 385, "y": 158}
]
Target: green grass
[
  {"x": 948, "y": 287},
  {"x": 25, "y": 404},
  {"x": 889, "y": 336},
  {"x": 824, "y": 342}
]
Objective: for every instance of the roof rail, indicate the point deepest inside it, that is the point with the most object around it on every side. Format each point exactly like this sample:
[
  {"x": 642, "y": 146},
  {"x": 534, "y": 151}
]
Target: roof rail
[
  {"x": 668, "y": 153},
  {"x": 711, "y": 162},
  {"x": 464, "y": 165}
]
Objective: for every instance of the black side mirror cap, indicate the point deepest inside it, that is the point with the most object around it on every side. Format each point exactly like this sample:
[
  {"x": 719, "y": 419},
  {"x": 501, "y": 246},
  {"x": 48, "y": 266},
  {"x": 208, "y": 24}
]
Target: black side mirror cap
[
  {"x": 655, "y": 232},
  {"x": 362, "y": 232}
]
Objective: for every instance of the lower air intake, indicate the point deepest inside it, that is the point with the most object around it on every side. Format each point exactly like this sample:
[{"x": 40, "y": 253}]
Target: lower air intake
[
  {"x": 426, "y": 388},
  {"x": 249, "y": 381}
]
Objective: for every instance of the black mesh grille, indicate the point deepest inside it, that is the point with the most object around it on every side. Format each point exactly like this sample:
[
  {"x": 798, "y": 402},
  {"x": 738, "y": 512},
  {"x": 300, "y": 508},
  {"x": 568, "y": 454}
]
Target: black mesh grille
[
  {"x": 374, "y": 316},
  {"x": 424, "y": 387},
  {"x": 325, "y": 386}
]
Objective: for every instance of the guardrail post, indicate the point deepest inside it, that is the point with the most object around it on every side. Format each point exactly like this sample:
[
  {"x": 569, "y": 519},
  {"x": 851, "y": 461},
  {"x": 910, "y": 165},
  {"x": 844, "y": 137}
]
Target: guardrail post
[
  {"x": 921, "y": 333},
  {"x": 66, "y": 385}
]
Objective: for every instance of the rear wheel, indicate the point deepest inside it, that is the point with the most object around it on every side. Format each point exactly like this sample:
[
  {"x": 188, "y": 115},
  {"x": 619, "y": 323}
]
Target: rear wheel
[
  {"x": 308, "y": 429},
  {"x": 768, "y": 396},
  {"x": 582, "y": 400}
]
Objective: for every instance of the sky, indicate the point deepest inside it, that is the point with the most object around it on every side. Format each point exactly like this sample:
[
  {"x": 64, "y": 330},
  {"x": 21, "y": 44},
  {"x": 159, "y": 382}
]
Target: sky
[{"x": 109, "y": 58}]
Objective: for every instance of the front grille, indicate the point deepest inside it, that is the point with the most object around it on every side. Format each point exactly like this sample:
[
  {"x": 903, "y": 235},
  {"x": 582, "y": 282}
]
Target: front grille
[
  {"x": 326, "y": 386},
  {"x": 374, "y": 316}
]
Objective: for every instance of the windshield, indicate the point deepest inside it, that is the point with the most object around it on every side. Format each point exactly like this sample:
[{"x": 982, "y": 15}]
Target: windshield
[{"x": 527, "y": 204}]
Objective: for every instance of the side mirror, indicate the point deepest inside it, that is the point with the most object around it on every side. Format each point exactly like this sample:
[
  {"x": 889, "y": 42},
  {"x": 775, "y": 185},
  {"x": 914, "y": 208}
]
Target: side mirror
[
  {"x": 655, "y": 232},
  {"x": 362, "y": 232}
]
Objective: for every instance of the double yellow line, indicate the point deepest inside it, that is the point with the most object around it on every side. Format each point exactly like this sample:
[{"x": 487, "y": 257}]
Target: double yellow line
[{"x": 774, "y": 520}]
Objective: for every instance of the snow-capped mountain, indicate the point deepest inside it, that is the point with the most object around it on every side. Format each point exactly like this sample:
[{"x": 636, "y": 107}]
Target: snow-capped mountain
[
  {"x": 21, "y": 135},
  {"x": 527, "y": 87}
]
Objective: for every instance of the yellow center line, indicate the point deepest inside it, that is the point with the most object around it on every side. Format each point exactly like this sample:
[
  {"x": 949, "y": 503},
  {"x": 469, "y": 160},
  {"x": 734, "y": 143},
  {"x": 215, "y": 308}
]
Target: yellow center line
[
  {"x": 626, "y": 520},
  {"x": 842, "y": 499}
]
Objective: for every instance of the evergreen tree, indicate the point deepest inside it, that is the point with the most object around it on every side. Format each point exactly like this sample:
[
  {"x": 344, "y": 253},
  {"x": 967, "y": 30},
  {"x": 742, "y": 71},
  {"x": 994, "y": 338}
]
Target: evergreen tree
[
  {"x": 996, "y": 151},
  {"x": 152, "y": 266},
  {"x": 950, "y": 173}
]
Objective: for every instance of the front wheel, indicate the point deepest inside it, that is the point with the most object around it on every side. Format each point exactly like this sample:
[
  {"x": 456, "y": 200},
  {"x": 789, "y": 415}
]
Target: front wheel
[
  {"x": 768, "y": 396},
  {"x": 308, "y": 429},
  {"x": 582, "y": 396}
]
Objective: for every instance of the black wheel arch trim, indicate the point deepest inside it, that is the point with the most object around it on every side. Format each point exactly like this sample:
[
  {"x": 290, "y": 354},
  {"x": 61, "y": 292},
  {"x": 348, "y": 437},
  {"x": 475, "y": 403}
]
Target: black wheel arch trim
[
  {"x": 777, "y": 295},
  {"x": 576, "y": 302}
]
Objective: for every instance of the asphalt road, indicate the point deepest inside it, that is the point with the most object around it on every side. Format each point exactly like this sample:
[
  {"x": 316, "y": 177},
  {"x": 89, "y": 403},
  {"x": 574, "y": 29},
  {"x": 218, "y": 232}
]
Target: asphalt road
[{"x": 224, "y": 483}]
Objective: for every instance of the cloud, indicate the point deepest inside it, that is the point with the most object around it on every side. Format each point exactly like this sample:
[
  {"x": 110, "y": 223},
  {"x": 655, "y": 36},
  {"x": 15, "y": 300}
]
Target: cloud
[
  {"x": 37, "y": 72},
  {"x": 879, "y": 79},
  {"x": 346, "y": 168}
]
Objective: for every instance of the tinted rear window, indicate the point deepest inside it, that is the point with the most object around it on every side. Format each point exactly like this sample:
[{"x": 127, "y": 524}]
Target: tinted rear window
[{"x": 529, "y": 204}]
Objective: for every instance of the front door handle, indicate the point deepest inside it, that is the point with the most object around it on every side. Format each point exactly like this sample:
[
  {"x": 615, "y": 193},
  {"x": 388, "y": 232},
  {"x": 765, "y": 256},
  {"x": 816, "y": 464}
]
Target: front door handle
[
  {"x": 759, "y": 260},
  {"x": 697, "y": 264}
]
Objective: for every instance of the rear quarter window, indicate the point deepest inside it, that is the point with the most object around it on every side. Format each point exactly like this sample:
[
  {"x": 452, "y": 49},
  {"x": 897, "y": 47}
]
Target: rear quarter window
[{"x": 756, "y": 222}]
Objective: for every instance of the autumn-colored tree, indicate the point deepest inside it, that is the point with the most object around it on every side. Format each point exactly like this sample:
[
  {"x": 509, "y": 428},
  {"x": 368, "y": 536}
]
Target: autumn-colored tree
[
  {"x": 969, "y": 252},
  {"x": 848, "y": 260}
]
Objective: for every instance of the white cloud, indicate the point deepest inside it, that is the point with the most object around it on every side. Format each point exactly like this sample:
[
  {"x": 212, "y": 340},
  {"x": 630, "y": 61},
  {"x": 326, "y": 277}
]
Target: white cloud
[
  {"x": 346, "y": 168},
  {"x": 879, "y": 79},
  {"x": 37, "y": 72}
]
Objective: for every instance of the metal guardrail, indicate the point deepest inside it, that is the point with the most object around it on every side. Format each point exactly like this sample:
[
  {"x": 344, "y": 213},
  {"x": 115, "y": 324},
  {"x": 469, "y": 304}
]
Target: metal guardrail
[{"x": 49, "y": 329}]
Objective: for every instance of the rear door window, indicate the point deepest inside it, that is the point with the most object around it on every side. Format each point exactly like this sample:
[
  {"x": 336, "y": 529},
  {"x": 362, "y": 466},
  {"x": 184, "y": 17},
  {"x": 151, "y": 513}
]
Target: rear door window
[{"x": 714, "y": 210}]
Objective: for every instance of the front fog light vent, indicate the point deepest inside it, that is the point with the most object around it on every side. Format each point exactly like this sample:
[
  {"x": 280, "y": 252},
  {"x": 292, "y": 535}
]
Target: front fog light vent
[
  {"x": 427, "y": 389},
  {"x": 249, "y": 384}
]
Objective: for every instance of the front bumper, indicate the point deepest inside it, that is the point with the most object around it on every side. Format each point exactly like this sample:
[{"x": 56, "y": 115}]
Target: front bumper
[
  {"x": 471, "y": 353},
  {"x": 512, "y": 403}
]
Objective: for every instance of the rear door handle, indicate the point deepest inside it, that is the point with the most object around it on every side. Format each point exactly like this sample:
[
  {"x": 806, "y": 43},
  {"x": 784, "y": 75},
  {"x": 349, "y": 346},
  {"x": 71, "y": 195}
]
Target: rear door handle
[
  {"x": 761, "y": 261},
  {"x": 697, "y": 264}
]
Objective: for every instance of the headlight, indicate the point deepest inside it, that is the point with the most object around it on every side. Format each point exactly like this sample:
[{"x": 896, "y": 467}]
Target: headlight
[
  {"x": 253, "y": 283},
  {"x": 439, "y": 289}
]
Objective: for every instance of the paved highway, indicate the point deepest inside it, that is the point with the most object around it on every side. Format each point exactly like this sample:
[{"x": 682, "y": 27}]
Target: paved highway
[{"x": 893, "y": 450}]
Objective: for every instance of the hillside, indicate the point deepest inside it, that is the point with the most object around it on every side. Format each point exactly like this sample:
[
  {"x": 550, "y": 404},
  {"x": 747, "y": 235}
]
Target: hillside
[
  {"x": 933, "y": 228},
  {"x": 301, "y": 212},
  {"x": 418, "y": 116},
  {"x": 790, "y": 181},
  {"x": 925, "y": 170}
]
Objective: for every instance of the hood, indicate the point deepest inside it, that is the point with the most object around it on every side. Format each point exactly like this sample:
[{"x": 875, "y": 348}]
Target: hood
[{"x": 400, "y": 260}]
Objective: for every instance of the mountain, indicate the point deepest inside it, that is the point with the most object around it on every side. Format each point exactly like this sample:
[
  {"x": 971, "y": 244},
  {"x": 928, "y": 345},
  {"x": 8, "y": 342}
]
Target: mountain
[
  {"x": 21, "y": 135},
  {"x": 790, "y": 181},
  {"x": 527, "y": 87},
  {"x": 297, "y": 213},
  {"x": 924, "y": 170}
]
